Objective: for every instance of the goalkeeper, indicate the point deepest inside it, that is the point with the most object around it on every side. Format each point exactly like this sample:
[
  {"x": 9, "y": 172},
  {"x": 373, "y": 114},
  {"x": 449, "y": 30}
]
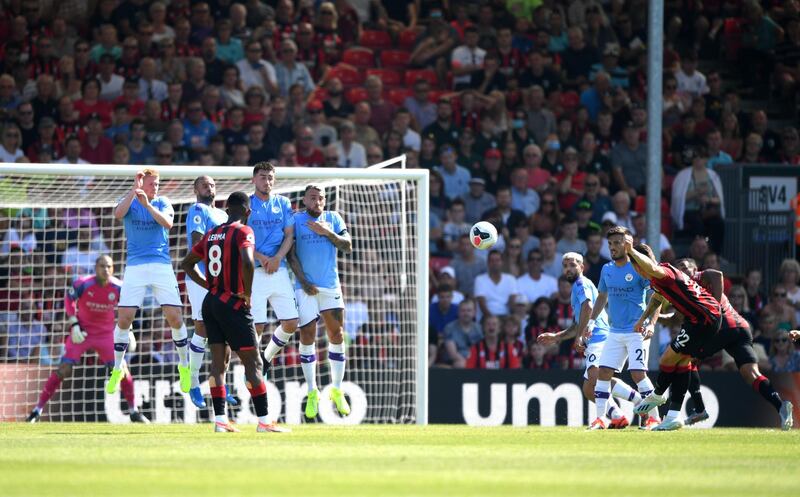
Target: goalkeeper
[{"x": 89, "y": 305}]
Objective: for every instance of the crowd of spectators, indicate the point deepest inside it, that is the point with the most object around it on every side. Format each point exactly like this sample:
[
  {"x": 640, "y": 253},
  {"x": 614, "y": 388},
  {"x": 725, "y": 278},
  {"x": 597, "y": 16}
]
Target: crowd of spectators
[{"x": 529, "y": 114}]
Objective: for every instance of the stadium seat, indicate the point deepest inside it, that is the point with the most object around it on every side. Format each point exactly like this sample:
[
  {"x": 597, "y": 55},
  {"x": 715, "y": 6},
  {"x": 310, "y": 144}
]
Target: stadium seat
[
  {"x": 434, "y": 95},
  {"x": 570, "y": 101},
  {"x": 407, "y": 39},
  {"x": 426, "y": 74},
  {"x": 376, "y": 40},
  {"x": 390, "y": 77},
  {"x": 398, "y": 95},
  {"x": 395, "y": 59},
  {"x": 356, "y": 94},
  {"x": 350, "y": 76},
  {"x": 359, "y": 57}
]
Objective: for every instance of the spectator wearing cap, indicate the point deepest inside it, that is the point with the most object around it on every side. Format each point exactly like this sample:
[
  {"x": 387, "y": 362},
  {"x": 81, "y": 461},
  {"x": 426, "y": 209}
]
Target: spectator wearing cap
[
  {"x": 95, "y": 147},
  {"x": 578, "y": 58},
  {"x": 541, "y": 120},
  {"x": 110, "y": 82},
  {"x": 583, "y": 216},
  {"x": 443, "y": 130},
  {"x": 423, "y": 110},
  {"x": 456, "y": 178},
  {"x": 690, "y": 80},
  {"x": 467, "y": 59},
  {"x": 551, "y": 258},
  {"x": 569, "y": 241},
  {"x": 197, "y": 128},
  {"x": 570, "y": 181},
  {"x": 640, "y": 233},
  {"x": 698, "y": 206},
  {"x": 467, "y": 265},
  {"x": 72, "y": 151},
  {"x": 493, "y": 174},
  {"x": 447, "y": 276},
  {"x": 593, "y": 258},
  {"x": 460, "y": 335},
  {"x": 628, "y": 159},
  {"x": 477, "y": 200},
  {"x": 350, "y": 152},
  {"x": 151, "y": 88},
  {"x": 716, "y": 156},
  {"x": 610, "y": 65},
  {"x": 365, "y": 134},
  {"x": 535, "y": 283},
  {"x": 255, "y": 71},
  {"x": 523, "y": 199},
  {"x": 495, "y": 290},
  {"x": 598, "y": 95}
]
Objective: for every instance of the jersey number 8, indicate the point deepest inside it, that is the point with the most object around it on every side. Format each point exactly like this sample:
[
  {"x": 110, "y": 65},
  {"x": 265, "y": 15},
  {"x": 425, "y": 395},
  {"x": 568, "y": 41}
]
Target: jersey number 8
[{"x": 215, "y": 260}]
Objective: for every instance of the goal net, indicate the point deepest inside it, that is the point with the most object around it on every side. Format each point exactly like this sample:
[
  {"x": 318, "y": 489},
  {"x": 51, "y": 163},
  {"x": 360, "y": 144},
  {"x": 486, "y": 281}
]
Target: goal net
[{"x": 55, "y": 220}]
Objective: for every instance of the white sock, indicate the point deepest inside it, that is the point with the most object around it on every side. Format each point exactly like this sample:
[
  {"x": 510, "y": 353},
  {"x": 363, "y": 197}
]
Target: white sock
[
  {"x": 646, "y": 388},
  {"x": 263, "y": 420},
  {"x": 308, "y": 360},
  {"x": 121, "y": 341},
  {"x": 622, "y": 390},
  {"x": 278, "y": 341},
  {"x": 223, "y": 418},
  {"x": 37, "y": 409},
  {"x": 197, "y": 351},
  {"x": 337, "y": 360},
  {"x": 602, "y": 393},
  {"x": 180, "y": 339},
  {"x": 613, "y": 411},
  {"x": 672, "y": 414}
]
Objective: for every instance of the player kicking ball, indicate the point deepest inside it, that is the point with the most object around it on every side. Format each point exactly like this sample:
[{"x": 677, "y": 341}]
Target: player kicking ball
[
  {"x": 583, "y": 300},
  {"x": 148, "y": 219},
  {"x": 201, "y": 218},
  {"x": 708, "y": 327},
  {"x": 319, "y": 235},
  {"x": 89, "y": 305},
  {"x": 625, "y": 291},
  {"x": 227, "y": 251}
]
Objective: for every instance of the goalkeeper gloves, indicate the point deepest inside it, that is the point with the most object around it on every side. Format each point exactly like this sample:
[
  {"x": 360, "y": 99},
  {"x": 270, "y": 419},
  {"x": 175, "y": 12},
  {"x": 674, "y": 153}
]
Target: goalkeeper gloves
[{"x": 75, "y": 331}]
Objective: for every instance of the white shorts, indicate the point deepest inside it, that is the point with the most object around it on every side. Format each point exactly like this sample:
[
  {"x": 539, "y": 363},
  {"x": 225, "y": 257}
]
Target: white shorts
[
  {"x": 592, "y": 355},
  {"x": 158, "y": 276},
  {"x": 278, "y": 290},
  {"x": 311, "y": 305},
  {"x": 621, "y": 346},
  {"x": 196, "y": 295}
]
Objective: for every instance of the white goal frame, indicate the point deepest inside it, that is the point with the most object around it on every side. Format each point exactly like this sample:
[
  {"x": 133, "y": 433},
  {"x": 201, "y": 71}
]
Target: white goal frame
[{"x": 377, "y": 172}]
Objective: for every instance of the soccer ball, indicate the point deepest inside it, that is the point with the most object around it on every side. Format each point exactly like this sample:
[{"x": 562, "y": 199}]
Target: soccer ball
[{"x": 483, "y": 235}]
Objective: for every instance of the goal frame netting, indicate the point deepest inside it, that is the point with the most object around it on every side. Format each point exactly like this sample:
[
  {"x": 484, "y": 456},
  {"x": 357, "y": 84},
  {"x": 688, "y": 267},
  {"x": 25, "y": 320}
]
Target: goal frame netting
[{"x": 386, "y": 171}]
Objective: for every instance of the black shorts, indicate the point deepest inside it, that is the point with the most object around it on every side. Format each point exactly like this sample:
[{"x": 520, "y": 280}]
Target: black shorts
[
  {"x": 692, "y": 338},
  {"x": 738, "y": 342},
  {"x": 224, "y": 324}
]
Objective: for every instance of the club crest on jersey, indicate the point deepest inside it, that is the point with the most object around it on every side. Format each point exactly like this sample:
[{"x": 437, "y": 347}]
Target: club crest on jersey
[
  {"x": 111, "y": 296},
  {"x": 276, "y": 209},
  {"x": 629, "y": 277},
  {"x": 196, "y": 219}
]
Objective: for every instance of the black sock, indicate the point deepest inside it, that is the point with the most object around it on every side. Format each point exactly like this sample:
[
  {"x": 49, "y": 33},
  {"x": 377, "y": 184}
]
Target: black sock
[
  {"x": 680, "y": 383},
  {"x": 218, "y": 397},
  {"x": 764, "y": 387},
  {"x": 260, "y": 404},
  {"x": 694, "y": 391},
  {"x": 664, "y": 380}
]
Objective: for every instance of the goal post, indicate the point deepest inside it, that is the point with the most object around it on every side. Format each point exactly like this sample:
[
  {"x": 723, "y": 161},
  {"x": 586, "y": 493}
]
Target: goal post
[{"x": 55, "y": 219}]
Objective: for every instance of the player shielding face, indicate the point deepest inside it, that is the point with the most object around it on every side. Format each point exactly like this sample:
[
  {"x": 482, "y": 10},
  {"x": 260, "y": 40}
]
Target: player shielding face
[
  {"x": 201, "y": 217},
  {"x": 227, "y": 251},
  {"x": 148, "y": 219},
  {"x": 89, "y": 306},
  {"x": 708, "y": 327},
  {"x": 320, "y": 234}
]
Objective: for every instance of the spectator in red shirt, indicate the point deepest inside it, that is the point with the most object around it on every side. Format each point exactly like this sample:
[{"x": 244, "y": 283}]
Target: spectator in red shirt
[
  {"x": 91, "y": 103},
  {"x": 130, "y": 96},
  {"x": 95, "y": 147},
  {"x": 382, "y": 110},
  {"x": 570, "y": 180},
  {"x": 307, "y": 153}
]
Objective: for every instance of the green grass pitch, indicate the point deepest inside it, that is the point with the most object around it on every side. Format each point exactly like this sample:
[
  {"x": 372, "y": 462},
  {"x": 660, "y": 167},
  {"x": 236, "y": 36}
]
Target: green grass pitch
[{"x": 70, "y": 459}]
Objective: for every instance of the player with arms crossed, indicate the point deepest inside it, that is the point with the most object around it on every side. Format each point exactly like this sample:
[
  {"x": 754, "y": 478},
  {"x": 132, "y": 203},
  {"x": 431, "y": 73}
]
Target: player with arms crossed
[
  {"x": 201, "y": 218},
  {"x": 148, "y": 219},
  {"x": 319, "y": 235},
  {"x": 626, "y": 294},
  {"x": 227, "y": 251},
  {"x": 584, "y": 299},
  {"x": 89, "y": 305},
  {"x": 708, "y": 327},
  {"x": 272, "y": 221}
]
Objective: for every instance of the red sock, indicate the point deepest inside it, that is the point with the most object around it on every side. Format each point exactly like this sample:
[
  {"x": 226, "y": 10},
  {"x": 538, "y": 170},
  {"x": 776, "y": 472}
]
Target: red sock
[
  {"x": 126, "y": 385},
  {"x": 50, "y": 387}
]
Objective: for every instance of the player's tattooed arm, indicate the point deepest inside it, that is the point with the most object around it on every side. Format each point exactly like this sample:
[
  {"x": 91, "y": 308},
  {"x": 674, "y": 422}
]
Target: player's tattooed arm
[
  {"x": 342, "y": 242},
  {"x": 297, "y": 269}
]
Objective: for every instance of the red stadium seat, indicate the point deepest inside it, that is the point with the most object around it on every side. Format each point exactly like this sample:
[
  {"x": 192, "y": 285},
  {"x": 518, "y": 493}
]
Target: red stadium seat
[
  {"x": 356, "y": 95},
  {"x": 426, "y": 74},
  {"x": 407, "y": 39},
  {"x": 570, "y": 101},
  {"x": 349, "y": 75},
  {"x": 390, "y": 77},
  {"x": 359, "y": 57},
  {"x": 434, "y": 95},
  {"x": 376, "y": 40},
  {"x": 398, "y": 95},
  {"x": 395, "y": 59}
]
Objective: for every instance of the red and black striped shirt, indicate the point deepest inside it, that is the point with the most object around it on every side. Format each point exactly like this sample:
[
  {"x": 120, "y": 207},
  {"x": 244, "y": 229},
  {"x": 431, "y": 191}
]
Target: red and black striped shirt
[
  {"x": 219, "y": 249},
  {"x": 690, "y": 299},
  {"x": 732, "y": 319}
]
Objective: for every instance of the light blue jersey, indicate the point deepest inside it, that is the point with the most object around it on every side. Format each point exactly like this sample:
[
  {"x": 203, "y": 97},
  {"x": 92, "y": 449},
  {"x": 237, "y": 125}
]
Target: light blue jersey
[
  {"x": 317, "y": 254},
  {"x": 268, "y": 219},
  {"x": 582, "y": 290},
  {"x": 627, "y": 292},
  {"x": 201, "y": 218},
  {"x": 148, "y": 241}
]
